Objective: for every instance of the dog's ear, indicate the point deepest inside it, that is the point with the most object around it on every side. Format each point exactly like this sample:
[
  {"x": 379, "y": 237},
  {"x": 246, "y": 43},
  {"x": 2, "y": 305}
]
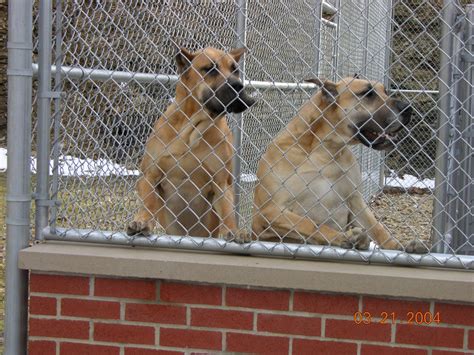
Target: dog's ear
[
  {"x": 328, "y": 88},
  {"x": 356, "y": 76},
  {"x": 237, "y": 53},
  {"x": 184, "y": 59}
]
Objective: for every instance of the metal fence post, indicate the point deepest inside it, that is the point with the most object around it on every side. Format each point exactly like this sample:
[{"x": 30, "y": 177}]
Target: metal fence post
[
  {"x": 20, "y": 19},
  {"x": 319, "y": 24},
  {"x": 44, "y": 117},
  {"x": 461, "y": 211},
  {"x": 386, "y": 79},
  {"x": 240, "y": 41},
  {"x": 446, "y": 111},
  {"x": 57, "y": 111}
]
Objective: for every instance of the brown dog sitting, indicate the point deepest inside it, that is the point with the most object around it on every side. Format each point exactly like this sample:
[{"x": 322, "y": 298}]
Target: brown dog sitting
[
  {"x": 186, "y": 184},
  {"x": 309, "y": 178}
]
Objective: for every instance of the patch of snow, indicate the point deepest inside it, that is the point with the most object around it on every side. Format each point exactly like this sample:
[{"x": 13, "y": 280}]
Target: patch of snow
[
  {"x": 73, "y": 166},
  {"x": 3, "y": 160},
  {"x": 407, "y": 181}
]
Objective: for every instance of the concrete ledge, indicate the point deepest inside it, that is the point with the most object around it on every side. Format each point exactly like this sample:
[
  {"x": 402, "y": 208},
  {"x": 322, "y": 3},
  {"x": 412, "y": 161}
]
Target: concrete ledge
[{"x": 392, "y": 281}]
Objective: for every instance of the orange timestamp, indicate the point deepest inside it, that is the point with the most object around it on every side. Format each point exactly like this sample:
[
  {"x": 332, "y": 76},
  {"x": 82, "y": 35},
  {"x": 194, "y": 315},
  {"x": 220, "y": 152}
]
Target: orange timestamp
[{"x": 391, "y": 317}]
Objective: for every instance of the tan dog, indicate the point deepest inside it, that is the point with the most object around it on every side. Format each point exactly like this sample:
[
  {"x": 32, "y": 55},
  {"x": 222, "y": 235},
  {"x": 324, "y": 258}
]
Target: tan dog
[
  {"x": 309, "y": 178},
  {"x": 187, "y": 166}
]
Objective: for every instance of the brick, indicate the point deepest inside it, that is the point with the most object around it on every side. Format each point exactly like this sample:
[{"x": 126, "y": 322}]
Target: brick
[
  {"x": 306, "y": 346},
  {"x": 155, "y": 313},
  {"x": 368, "y": 349},
  {"x": 470, "y": 339},
  {"x": 274, "y": 323},
  {"x": 347, "y": 329},
  {"x": 429, "y": 335},
  {"x": 41, "y": 347},
  {"x": 455, "y": 313},
  {"x": 61, "y": 284},
  {"x": 81, "y": 349},
  {"x": 217, "y": 318},
  {"x": 120, "y": 333},
  {"x": 261, "y": 299},
  {"x": 375, "y": 306},
  {"x": 138, "y": 351},
  {"x": 90, "y": 308},
  {"x": 190, "y": 293},
  {"x": 324, "y": 303},
  {"x": 59, "y": 328},
  {"x": 446, "y": 352},
  {"x": 43, "y": 306},
  {"x": 125, "y": 288},
  {"x": 259, "y": 344},
  {"x": 188, "y": 338}
]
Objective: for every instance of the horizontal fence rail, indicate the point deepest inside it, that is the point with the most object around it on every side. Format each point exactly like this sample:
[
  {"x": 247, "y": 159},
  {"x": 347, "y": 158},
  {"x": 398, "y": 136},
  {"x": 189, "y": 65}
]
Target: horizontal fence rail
[
  {"x": 263, "y": 248},
  {"x": 145, "y": 78}
]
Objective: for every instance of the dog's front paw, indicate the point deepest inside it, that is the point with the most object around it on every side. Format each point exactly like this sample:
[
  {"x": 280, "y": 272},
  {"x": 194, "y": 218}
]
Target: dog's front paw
[
  {"x": 239, "y": 237},
  {"x": 356, "y": 238},
  {"x": 417, "y": 247},
  {"x": 138, "y": 227}
]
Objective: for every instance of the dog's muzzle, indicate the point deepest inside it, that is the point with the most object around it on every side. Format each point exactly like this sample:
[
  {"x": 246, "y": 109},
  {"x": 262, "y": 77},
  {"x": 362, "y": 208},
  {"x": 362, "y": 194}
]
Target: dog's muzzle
[
  {"x": 229, "y": 97},
  {"x": 371, "y": 133}
]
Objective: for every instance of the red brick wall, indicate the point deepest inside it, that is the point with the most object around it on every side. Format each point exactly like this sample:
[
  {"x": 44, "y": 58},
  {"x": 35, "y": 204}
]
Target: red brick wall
[{"x": 95, "y": 315}]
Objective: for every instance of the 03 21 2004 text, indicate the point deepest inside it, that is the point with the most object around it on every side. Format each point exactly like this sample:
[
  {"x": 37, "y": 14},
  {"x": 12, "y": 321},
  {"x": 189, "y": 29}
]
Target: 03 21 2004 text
[{"x": 412, "y": 317}]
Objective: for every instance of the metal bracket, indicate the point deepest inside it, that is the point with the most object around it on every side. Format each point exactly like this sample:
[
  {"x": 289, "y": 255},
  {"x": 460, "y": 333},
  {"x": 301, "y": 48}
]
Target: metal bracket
[
  {"x": 50, "y": 95},
  {"x": 45, "y": 201}
]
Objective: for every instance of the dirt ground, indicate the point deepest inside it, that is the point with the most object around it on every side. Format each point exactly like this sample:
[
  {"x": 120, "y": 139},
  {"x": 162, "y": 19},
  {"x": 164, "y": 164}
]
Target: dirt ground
[{"x": 406, "y": 216}]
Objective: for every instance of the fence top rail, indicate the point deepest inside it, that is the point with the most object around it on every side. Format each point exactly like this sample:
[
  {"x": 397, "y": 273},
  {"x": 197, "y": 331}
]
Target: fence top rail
[{"x": 78, "y": 73}]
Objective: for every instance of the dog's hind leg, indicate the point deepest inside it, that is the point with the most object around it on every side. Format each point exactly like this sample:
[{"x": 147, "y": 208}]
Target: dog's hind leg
[
  {"x": 287, "y": 224},
  {"x": 223, "y": 204}
]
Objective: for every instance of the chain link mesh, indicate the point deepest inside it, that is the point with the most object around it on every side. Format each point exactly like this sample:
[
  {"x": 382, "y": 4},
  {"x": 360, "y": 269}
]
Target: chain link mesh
[{"x": 113, "y": 51}]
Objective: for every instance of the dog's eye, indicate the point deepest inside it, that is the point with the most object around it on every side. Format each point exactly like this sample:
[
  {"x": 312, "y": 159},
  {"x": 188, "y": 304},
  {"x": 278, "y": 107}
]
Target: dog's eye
[
  {"x": 369, "y": 93},
  {"x": 212, "y": 69},
  {"x": 235, "y": 70}
]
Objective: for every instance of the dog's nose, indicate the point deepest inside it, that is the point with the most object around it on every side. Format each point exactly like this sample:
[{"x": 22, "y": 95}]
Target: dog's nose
[
  {"x": 405, "y": 110},
  {"x": 236, "y": 85}
]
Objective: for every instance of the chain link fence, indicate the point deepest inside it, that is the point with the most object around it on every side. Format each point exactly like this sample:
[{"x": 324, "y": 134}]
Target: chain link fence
[{"x": 114, "y": 74}]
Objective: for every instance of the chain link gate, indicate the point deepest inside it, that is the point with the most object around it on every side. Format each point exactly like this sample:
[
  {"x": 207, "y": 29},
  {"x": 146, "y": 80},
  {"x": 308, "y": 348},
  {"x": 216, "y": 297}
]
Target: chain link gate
[{"x": 114, "y": 75}]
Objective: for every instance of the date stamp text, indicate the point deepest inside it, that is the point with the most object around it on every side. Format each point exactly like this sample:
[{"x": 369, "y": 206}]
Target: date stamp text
[{"x": 414, "y": 318}]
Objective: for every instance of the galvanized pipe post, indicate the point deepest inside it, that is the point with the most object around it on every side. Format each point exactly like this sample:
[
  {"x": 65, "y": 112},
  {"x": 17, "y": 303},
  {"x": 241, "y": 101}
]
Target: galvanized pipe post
[
  {"x": 461, "y": 211},
  {"x": 57, "y": 112},
  {"x": 386, "y": 79},
  {"x": 19, "y": 72},
  {"x": 241, "y": 28},
  {"x": 44, "y": 117},
  {"x": 446, "y": 87},
  {"x": 319, "y": 24}
]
